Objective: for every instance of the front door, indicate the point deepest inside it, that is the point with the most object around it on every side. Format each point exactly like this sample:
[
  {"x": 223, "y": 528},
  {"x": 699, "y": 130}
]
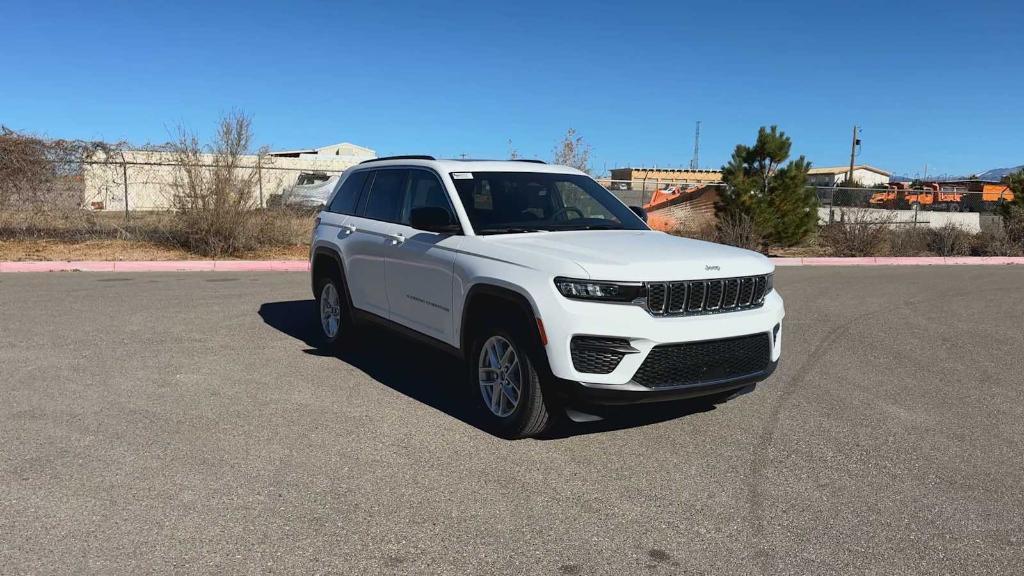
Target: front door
[{"x": 421, "y": 264}]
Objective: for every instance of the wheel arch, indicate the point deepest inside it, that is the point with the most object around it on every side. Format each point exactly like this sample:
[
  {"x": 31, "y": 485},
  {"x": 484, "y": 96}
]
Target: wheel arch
[
  {"x": 484, "y": 292},
  {"x": 323, "y": 259}
]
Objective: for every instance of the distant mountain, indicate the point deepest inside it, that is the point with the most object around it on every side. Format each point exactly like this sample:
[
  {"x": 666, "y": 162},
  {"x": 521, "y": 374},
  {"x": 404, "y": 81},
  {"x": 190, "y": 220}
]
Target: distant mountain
[
  {"x": 998, "y": 173},
  {"x": 993, "y": 174}
]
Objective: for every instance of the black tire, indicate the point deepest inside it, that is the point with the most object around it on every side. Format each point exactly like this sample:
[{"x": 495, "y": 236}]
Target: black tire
[
  {"x": 345, "y": 325},
  {"x": 531, "y": 416}
]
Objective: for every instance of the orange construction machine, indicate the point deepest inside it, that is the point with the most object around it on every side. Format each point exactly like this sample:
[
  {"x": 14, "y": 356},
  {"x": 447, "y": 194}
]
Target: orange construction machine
[{"x": 965, "y": 195}]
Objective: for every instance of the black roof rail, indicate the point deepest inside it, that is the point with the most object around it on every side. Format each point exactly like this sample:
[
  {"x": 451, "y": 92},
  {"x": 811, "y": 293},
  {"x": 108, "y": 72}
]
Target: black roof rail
[
  {"x": 405, "y": 157},
  {"x": 529, "y": 160}
]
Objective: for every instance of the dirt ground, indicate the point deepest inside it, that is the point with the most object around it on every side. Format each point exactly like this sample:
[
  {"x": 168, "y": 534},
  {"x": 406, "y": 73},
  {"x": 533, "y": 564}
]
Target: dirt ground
[{"x": 123, "y": 250}]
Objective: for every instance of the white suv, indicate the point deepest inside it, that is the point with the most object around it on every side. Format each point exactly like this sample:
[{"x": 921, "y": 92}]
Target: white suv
[{"x": 556, "y": 294}]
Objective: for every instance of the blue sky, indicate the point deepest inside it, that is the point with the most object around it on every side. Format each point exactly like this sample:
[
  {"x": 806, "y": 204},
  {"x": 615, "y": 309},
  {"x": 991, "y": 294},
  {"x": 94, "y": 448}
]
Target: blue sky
[{"x": 938, "y": 83}]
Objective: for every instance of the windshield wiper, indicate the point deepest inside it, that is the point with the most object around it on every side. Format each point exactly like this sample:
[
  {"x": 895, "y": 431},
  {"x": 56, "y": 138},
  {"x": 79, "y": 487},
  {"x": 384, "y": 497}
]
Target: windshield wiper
[
  {"x": 591, "y": 227},
  {"x": 509, "y": 230}
]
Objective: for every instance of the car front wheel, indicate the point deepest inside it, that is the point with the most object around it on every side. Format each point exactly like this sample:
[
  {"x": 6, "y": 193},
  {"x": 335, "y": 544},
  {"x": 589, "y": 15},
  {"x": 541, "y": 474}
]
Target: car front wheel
[{"x": 508, "y": 386}]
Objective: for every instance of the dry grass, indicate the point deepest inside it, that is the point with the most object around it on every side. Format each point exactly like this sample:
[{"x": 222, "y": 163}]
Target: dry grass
[
  {"x": 124, "y": 250},
  {"x": 857, "y": 233},
  {"x": 734, "y": 231},
  {"x": 950, "y": 240},
  {"x": 84, "y": 235}
]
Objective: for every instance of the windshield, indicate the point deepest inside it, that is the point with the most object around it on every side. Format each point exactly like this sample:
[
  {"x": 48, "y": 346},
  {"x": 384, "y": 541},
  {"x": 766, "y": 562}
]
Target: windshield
[{"x": 508, "y": 202}]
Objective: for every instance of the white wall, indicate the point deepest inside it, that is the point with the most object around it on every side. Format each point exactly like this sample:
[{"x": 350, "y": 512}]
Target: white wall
[
  {"x": 152, "y": 175},
  {"x": 969, "y": 221}
]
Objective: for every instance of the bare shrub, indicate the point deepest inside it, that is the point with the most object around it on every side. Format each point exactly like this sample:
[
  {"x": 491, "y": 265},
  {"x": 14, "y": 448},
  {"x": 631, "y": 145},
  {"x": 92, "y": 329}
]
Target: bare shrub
[
  {"x": 950, "y": 240},
  {"x": 705, "y": 231},
  {"x": 42, "y": 185},
  {"x": 739, "y": 230},
  {"x": 857, "y": 233},
  {"x": 996, "y": 243},
  {"x": 908, "y": 241},
  {"x": 214, "y": 198},
  {"x": 1013, "y": 222},
  {"x": 573, "y": 151}
]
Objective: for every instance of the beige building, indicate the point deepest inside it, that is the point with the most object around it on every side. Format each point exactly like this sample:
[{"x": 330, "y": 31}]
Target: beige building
[
  {"x": 151, "y": 175},
  {"x": 639, "y": 176},
  {"x": 832, "y": 176}
]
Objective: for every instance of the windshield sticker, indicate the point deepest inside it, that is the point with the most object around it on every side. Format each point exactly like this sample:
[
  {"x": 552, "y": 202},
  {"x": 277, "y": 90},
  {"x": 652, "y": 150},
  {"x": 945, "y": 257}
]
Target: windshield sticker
[{"x": 462, "y": 175}]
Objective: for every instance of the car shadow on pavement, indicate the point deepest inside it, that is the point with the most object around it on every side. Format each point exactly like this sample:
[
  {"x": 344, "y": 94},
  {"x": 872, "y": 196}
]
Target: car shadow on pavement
[{"x": 435, "y": 378}]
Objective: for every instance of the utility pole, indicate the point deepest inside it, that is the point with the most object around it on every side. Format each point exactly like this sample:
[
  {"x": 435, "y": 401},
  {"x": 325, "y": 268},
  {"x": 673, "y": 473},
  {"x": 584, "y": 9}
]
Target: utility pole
[
  {"x": 853, "y": 156},
  {"x": 124, "y": 174},
  {"x": 695, "y": 162}
]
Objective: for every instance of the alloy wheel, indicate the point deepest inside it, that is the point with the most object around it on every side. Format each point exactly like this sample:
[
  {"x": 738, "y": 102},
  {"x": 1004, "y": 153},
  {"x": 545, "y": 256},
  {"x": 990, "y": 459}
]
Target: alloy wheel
[
  {"x": 500, "y": 376},
  {"x": 330, "y": 310}
]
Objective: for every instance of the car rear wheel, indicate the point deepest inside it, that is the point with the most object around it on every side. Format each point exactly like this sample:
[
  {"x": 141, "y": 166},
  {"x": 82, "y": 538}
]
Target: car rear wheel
[
  {"x": 503, "y": 372},
  {"x": 332, "y": 310}
]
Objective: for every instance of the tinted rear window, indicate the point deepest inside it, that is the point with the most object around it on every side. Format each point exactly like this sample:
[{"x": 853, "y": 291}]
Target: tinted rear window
[
  {"x": 345, "y": 200},
  {"x": 386, "y": 196}
]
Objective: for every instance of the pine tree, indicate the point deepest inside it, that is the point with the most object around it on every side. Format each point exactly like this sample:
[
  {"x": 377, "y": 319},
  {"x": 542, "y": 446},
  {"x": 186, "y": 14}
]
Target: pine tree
[{"x": 774, "y": 197}]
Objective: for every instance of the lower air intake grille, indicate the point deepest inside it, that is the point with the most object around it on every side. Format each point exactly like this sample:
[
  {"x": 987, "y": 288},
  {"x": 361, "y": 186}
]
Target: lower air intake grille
[
  {"x": 594, "y": 355},
  {"x": 704, "y": 362}
]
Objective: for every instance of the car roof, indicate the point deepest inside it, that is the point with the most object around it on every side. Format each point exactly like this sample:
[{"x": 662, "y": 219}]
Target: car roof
[{"x": 470, "y": 165}]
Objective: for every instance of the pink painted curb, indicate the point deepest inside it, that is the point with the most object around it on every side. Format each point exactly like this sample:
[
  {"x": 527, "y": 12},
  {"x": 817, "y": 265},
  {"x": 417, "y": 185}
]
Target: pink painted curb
[
  {"x": 900, "y": 261},
  {"x": 160, "y": 266},
  {"x": 303, "y": 265}
]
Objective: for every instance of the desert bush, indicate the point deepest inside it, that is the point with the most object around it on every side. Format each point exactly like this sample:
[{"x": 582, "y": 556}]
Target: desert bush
[
  {"x": 217, "y": 213},
  {"x": 908, "y": 241},
  {"x": 996, "y": 243},
  {"x": 705, "y": 231},
  {"x": 1013, "y": 222},
  {"x": 856, "y": 233},
  {"x": 950, "y": 240},
  {"x": 739, "y": 230},
  {"x": 41, "y": 186}
]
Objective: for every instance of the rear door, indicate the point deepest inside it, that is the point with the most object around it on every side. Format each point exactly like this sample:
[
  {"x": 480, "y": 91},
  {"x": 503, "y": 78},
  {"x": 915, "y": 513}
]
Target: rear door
[
  {"x": 371, "y": 238},
  {"x": 421, "y": 264},
  {"x": 342, "y": 205}
]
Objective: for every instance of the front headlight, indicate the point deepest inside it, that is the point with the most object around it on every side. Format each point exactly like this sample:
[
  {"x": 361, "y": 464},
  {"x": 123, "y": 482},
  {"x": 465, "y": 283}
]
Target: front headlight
[{"x": 600, "y": 290}]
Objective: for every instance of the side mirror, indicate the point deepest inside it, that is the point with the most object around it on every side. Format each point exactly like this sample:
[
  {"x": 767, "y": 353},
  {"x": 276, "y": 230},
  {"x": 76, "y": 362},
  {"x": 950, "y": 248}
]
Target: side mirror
[
  {"x": 432, "y": 219},
  {"x": 639, "y": 212}
]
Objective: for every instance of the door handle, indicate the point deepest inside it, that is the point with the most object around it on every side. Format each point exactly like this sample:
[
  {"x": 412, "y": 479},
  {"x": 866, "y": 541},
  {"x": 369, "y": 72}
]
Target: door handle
[
  {"x": 397, "y": 238},
  {"x": 347, "y": 229}
]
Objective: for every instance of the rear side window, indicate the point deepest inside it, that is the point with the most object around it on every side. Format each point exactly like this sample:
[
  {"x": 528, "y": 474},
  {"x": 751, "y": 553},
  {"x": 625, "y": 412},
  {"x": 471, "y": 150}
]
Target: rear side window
[
  {"x": 386, "y": 196},
  {"x": 344, "y": 201}
]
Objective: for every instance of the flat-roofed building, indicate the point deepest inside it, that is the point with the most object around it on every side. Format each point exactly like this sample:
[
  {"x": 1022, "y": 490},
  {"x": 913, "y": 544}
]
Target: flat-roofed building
[
  {"x": 831, "y": 176},
  {"x": 668, "y": 175}
]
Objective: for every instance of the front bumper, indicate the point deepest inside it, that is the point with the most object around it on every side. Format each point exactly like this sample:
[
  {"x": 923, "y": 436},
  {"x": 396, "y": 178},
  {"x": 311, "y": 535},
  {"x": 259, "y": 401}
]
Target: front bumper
[
  {"x": 581, "y": 395},
  {"x": 643, "y": 333}
]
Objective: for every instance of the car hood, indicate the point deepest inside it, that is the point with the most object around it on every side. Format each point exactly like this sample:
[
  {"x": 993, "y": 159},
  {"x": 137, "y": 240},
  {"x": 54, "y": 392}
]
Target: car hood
[{"x": 639, "y": 255}]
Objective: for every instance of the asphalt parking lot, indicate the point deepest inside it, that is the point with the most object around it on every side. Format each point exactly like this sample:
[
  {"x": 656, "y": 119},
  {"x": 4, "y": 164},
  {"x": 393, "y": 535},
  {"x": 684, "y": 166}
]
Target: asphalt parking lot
[{"x": 186, "y": 423}]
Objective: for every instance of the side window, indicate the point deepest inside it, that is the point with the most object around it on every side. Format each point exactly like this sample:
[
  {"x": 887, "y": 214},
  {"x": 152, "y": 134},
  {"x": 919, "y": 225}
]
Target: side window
[
  {"x": 424, "y": 190},
  {"x": 344, "y": 201},
  {"x": 386, "y": 196}
]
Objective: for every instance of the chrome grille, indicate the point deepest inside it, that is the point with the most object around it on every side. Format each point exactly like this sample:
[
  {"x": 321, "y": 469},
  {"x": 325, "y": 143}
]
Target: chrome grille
[{"x": 707, "y": 296}]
